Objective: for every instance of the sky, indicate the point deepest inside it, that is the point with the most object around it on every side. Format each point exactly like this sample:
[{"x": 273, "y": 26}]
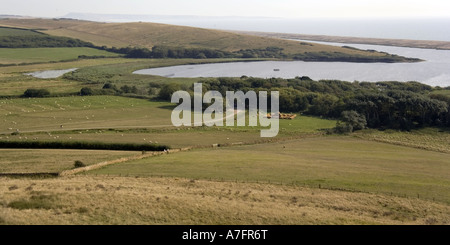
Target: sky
[{"x": 262, "y": 8}]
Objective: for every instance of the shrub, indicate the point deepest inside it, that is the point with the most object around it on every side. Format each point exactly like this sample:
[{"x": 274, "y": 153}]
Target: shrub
[
  {"x": 355, "y": 120},
  {"x": 86, "y": 91},
  {"x": 201, "y": 56},
  {"x": 36, "y": 93},
  {"x": 343, "y": 128},
  {"x": 127, "y": 89},
  {"x": 167, "y": 90},
  {"x": 350, "y": 121},
  {"x": 79, "y": 164},
  {"x": 154, "y": 85},
  {"x": 109, "y": 86},
  {"x": 35, "y": 202}
]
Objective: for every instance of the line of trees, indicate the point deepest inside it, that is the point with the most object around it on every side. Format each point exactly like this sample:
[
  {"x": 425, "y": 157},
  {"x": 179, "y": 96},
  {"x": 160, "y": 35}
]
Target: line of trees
[
  {"x": 158, "y": 52},
  {"x": 109, "y": 89},
  {"x": 339, "y": 56},
  {"x": 41, "y": 41},
  {"x": 82, "y": 145}
]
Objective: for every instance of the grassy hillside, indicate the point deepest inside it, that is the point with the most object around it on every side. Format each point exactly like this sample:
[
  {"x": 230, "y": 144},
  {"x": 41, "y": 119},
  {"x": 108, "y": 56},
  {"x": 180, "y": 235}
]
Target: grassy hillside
[
  {"x": 17, "y": 32},
  {"x": 179, "y": 201},
  {"x": 151, "y": 34},
  {"x": 35, "y": 55}
]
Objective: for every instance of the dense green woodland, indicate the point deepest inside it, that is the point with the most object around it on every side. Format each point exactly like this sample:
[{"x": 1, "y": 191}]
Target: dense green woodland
[{"x": 394, "y": 105}]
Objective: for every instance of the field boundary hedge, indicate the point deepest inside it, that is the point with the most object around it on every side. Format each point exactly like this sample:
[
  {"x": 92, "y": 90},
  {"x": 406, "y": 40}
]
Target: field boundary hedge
[{"x": 78, "y": 145}]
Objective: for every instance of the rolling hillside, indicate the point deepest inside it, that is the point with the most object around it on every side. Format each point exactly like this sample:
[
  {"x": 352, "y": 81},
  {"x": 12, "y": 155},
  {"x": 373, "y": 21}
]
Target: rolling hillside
[{"x": 151, "y": 34}]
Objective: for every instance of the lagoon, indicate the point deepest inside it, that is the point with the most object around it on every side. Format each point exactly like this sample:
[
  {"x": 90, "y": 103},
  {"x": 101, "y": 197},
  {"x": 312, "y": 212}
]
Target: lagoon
[
  {"x": 50, "y": 73},
  {"x": 435, "y": 70}
]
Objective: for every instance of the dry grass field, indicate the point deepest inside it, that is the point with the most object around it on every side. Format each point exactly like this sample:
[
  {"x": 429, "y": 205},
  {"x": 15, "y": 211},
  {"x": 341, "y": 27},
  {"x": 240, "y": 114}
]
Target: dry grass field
[{"x": 176, "y": 201}]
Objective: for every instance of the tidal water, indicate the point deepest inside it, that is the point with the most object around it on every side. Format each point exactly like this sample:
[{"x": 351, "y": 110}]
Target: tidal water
[
  {"x": 435, "y": 70},
  {"x": 50, "y": 73}
]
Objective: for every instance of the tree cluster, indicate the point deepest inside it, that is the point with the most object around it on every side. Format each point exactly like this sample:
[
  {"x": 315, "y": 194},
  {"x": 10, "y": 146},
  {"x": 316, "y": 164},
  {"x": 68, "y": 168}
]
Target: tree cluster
[
  {"x": 394, "y": 105},
  {"x": 158, "y": 52}
]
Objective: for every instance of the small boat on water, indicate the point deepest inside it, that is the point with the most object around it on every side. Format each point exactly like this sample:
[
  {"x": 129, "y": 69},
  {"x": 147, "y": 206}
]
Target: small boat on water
[{"x": 276, "y": 69}]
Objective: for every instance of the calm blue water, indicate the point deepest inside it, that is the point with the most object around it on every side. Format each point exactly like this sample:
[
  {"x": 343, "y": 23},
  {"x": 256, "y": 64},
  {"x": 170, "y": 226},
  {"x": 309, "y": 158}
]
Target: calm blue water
[{"x": 434, "y": 71}]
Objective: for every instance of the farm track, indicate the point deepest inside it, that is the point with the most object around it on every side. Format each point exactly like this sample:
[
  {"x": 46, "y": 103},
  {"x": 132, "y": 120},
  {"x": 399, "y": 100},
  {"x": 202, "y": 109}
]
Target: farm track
[{"x": 121, "y": 160}]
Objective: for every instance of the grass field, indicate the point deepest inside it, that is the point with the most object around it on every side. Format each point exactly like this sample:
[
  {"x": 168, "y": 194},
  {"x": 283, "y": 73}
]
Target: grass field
[
  {"x": 126, "y": 120},
  {"x": 48, "y": 114},
  {"x": 331, "y": 162},
  {"x": 52, "y": 161},
  {"x": 176, "y": 138},
  {"x": 443, "y": 92},
  {"x": 126, "y": 200},
  {"x": 34, "y": 55},
  {"x": 17, "y": 32},
  {"x": 17, "y": 86},
  {"x": 433, "y": 139}
]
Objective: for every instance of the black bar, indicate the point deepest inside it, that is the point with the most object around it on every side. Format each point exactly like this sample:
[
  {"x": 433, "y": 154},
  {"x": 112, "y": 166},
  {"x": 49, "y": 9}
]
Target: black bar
[{"x": 229, "y": 234}]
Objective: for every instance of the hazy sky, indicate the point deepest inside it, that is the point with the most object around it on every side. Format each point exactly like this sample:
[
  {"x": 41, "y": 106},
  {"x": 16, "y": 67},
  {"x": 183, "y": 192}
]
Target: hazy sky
[{"x": 268, "y": 8}]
